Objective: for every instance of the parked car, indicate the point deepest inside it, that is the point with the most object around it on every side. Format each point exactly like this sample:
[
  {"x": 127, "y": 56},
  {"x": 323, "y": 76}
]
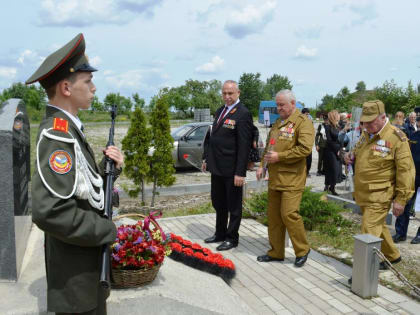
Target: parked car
[{"x": 189, "y": 144}]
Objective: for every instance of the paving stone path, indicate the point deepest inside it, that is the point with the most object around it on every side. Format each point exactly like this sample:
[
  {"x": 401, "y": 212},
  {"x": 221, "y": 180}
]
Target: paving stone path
[{"x": 320, "y": 287}]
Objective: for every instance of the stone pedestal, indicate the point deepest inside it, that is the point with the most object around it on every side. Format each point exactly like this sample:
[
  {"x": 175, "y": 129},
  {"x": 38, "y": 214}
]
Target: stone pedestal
[{"x": 15, "y": 219}]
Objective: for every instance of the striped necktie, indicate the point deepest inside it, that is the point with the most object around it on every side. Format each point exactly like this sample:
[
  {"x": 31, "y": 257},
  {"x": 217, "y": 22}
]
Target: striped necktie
[{"x": 222, "y": 114}]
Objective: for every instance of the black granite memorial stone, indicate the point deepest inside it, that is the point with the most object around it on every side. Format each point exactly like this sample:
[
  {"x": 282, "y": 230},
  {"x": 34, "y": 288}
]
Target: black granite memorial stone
[{"x": 15, "y": 219}]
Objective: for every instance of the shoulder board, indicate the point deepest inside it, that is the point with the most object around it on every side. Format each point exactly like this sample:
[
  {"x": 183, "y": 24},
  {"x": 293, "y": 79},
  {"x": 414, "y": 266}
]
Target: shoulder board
[
  {"x": 400, "y": 134},
  {"x": 60, "y": 124}
]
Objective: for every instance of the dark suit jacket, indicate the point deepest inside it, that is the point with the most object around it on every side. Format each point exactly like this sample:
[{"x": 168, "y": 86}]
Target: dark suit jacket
[
  {"x": 226, "y": 149},
  {"x": 74, "y": 230}
]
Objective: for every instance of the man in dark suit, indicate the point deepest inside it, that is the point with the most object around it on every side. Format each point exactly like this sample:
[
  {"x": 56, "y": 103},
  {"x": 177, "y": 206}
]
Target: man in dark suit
[
  {"x": 226, "y": 151},
  {"x": 67, "y": 186}
]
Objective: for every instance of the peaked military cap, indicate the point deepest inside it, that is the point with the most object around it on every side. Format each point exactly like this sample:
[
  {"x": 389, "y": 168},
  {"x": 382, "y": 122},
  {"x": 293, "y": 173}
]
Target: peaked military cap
[
  {"x": 371, "y": 110},
  {"x": 68, "y": 59}
]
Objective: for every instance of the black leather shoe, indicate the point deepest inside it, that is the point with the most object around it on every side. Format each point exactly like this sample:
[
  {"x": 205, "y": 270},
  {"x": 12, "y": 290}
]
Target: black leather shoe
[
  {"x": 350, "y": 281},
  {"x": 226, "y": 245},
  {"x": 415, "y": 240},
  {"x": 213, "y": 239},
  {"x": 266, "y": 258},
  {"x": 398, "y": 238},
  {"x": 383, "y": 266},
  {"x": 300, "y": 261}
]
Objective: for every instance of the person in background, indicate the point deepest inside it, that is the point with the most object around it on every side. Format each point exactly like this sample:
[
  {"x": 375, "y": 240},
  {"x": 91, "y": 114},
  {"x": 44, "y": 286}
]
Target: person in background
[
  {"x": 226, "y": 153},
  {"x": 331, "y": 153},
  {"x": 411, "y": 126},
  {"x": 254, "y": 154},
  {"x": 305, "y": 111},
  {"x": 399, "y": 120},
  {"x": 401, "y": 224},
  {"x": 320, "y": 144}
]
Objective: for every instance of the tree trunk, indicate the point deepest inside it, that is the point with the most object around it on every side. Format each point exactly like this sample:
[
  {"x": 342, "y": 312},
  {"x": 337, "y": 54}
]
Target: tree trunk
[
  {"x": 152, "y": 204},
  {"x": 143, "y": 193}
]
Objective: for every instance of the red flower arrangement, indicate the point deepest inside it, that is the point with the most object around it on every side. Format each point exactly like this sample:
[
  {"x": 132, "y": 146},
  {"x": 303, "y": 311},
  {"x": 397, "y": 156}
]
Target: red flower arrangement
[
  {"x": 193, "y": 255},
  {"x": 138, "y": 247}
]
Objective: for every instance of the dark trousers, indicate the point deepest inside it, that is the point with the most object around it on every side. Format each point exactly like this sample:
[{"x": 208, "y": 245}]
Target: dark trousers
[
  {"x": 308, "y": 163},
  {"x": 320, "y": 160},
  {"x": 401, "y": 224},
  {"x": 227, "y": 201}
]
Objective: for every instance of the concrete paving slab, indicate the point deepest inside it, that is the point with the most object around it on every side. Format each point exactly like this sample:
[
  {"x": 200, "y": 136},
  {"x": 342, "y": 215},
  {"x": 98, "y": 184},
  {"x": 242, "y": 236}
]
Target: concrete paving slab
[{"x": 177, "y": 289}]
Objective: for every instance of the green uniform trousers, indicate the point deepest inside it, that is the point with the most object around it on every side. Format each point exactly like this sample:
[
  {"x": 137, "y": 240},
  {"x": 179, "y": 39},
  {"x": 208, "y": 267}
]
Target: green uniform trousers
[
  {"x": 373, "y": 223},
  {"x": 283, "y": 213},
  {"x": 100, "y": 309}
]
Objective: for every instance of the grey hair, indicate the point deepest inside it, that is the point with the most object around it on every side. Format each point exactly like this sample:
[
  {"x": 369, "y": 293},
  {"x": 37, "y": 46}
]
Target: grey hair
[
  {"x": 413, "y": 113},
  {"x": 232, "y": 82},
  {"x": 288, "y": 94}
]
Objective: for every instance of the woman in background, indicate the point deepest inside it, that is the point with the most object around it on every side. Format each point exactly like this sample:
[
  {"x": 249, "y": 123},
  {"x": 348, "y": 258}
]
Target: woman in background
[{"x": 331, "y": 153}]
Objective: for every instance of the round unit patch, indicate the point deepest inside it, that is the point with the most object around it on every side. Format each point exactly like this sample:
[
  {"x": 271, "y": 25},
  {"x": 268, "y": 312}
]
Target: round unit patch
[{"x": 60, "y": 162}]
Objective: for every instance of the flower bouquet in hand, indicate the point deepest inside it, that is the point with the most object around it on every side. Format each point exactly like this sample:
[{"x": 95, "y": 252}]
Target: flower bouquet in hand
[
  {"x": 138, "y": 252},
  {"x": 201, "y": 258}
]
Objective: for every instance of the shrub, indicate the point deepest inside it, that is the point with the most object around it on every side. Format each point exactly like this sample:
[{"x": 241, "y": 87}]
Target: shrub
[{"x": 317, "y": 213}]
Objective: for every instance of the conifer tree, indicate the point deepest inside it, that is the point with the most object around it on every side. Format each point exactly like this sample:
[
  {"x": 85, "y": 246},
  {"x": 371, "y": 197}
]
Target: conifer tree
[
  {"x": 136, "y": 146},
  {"x": 162, "y": 163}
]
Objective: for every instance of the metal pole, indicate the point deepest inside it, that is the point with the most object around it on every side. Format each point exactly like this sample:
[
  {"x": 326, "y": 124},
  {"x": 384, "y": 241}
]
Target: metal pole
[{"x": 365, "y": 265}]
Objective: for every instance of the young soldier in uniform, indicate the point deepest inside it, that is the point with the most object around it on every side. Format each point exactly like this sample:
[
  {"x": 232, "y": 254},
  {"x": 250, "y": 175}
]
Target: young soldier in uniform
[
  {"x": 67, "y": 186},
  {"x": 383, "y": 174},
  {"x": 293, "y": 136}
]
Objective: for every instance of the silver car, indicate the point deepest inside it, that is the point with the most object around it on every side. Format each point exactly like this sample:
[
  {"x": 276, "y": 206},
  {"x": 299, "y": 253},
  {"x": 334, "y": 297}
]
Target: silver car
[{"x": 188, "y": 144}]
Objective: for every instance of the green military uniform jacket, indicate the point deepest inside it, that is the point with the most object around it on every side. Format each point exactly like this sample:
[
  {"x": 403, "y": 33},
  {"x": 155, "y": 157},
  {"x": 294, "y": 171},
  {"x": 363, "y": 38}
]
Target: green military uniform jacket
[
  {"x": 74, "y": 229},
  {"x": 384, "y": 168},
  {"x": 294, "y": 139}
]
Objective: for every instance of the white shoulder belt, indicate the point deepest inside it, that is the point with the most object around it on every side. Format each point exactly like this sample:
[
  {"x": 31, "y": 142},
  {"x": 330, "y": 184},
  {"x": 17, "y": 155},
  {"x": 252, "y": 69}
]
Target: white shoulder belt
[{"x": 86, "y": 177}]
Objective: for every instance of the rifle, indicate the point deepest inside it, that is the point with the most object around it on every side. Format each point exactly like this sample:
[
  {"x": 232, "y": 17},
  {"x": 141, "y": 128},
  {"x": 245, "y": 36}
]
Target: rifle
[{"x": 109, "y": 184}]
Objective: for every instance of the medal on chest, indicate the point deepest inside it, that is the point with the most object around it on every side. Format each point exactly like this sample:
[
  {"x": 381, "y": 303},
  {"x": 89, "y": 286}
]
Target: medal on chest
[
  {"x": 287, "y": 132},
  {"x": 229, "y": 123},
  {"x": 381, "y": 148}
]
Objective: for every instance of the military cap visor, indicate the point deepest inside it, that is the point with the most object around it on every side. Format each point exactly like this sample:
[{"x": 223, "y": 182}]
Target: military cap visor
[
  {"x": 68, "y": 59},
  {"x": 371, "y": 110}
]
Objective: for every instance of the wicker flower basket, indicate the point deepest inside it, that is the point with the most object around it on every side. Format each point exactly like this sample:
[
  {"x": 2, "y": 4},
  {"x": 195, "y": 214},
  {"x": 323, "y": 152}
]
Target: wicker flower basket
[
  {"x": 121, "y": 279},
  {"x": 133, "y": 278}
]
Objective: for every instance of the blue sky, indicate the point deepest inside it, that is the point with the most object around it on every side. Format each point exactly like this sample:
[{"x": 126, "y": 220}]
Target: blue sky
[{"x": 144, "y": 45}]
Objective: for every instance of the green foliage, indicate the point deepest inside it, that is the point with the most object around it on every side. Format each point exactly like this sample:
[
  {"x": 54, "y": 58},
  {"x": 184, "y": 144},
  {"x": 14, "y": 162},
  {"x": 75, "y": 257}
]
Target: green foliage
[
  {"x": 195, "y": 94},
  {"x": 251, "y": 89},
  {"x": 33, "y": 96},
  {"x": 361, "y": 86},
  {"x": 97, "y": 106},
  {"x": 274, "y": 84},
  {"x": 135, "y": 146},
  {"x": 124, "y": 104},
  {"x": 316, "y": 213},
  {"x": 162, "y": 163},
  {"x": 393, "y": 96},
  {"x": 138, "y": 101}
]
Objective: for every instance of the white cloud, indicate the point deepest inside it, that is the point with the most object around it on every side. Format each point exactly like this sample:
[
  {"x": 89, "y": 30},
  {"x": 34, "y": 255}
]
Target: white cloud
[
  {"x": 249, "y": 20},
  {"x": 393, "y": 69},
  {"x": 79, "y": 13},
  {"x": 139, "y": 79},
  {"x": 304, "y": 52},
  {"x": 29, "y": 57},
  {"x": 214, "y": 66},
  {"x": 8, "y": 72}
]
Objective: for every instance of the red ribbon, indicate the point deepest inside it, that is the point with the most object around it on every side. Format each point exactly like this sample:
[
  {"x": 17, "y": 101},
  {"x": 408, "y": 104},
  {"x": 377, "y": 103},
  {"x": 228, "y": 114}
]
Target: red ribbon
[{"x": 152, "y": 218}]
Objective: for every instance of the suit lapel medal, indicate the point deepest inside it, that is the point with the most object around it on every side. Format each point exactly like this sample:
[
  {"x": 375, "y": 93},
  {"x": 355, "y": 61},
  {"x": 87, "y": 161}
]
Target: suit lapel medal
[{"x": 229, "y": 123}]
